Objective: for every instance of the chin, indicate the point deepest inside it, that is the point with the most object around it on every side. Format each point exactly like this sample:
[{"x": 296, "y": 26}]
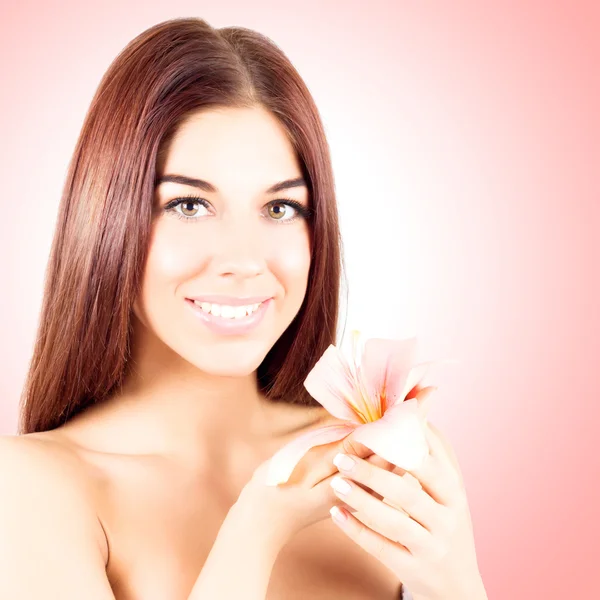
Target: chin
[{"x": 227, "y": 361}]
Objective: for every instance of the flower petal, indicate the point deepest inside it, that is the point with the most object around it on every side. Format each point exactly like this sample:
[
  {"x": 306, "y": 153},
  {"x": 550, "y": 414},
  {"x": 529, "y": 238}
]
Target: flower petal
[
  {"x": 368, "y": 400},
  {"x": 422, "y": 396},
  {"x": 284, "y": 461},
  {"x": 398, "y": 437},
  {"x": 330, "y": 382},
  {"x": 386, "y": 366},
  {"x": 414, "y": 379}
]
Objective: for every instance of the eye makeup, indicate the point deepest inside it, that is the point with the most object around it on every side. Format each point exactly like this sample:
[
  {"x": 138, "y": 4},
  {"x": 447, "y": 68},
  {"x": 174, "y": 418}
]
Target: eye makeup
[{"x": 302, "y": 211}]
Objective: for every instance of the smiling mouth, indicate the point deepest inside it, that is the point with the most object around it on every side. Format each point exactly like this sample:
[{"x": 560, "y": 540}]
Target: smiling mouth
[
  {"x": 227, "y": 312},
  {"x": 243, "y": 319}
]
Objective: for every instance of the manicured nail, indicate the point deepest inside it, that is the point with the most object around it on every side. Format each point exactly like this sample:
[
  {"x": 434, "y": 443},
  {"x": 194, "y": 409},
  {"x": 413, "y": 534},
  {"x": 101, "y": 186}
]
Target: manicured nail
[
  {"x": 343, "y": 462},
  {"x": 341, "y": 486},
  {"x": 337, "y": 514}
]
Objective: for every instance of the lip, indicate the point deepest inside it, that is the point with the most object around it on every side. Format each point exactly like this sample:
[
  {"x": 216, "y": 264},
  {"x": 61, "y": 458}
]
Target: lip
[
  {"x": 230, "y": 300},
  {"x": 223, "y": 326}
]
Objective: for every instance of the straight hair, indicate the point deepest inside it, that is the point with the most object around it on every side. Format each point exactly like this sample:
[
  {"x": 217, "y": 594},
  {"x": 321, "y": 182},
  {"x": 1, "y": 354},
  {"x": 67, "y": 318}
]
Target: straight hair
[{"x": 171, "y": 70}]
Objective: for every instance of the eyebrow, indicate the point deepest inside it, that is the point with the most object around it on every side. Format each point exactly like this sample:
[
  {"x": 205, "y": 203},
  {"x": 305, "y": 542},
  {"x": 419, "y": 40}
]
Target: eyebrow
[{"x": 208, "y": 187}]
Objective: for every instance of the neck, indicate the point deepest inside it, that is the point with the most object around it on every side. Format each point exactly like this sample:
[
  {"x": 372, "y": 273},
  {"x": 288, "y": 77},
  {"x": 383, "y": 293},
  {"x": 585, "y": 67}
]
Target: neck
[{"x": 167, "y": 406}]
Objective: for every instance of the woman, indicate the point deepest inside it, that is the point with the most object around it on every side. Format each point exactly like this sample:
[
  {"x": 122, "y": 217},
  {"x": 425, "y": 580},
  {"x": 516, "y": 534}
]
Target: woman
[{"x": 192, "y": 285}]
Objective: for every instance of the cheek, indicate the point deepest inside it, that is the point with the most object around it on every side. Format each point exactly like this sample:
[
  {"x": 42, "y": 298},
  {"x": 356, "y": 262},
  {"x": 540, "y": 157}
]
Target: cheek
[
  {"x": 290, "y": 261},
  {"x": 294, "y": 261},
  {"x": 173, "y": 257}
]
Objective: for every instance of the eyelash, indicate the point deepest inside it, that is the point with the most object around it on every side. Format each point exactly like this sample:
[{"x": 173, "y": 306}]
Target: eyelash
[{"x": 302, "y": 211}]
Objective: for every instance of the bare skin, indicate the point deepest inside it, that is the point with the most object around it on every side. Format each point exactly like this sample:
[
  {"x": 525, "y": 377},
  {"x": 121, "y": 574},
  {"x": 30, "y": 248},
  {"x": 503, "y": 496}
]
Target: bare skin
[
  {"x": 159, "y": 517},
  {"x": 150, "y": 473}
]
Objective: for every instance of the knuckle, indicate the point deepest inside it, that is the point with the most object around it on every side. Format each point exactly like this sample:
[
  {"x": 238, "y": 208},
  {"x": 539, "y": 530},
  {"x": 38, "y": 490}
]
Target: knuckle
[
  {"x": 399, "y": 526},
  {"x": 411, "y": 481},
  {"x": 450, "y": 521},
  {"x": 412, "y": 498}
]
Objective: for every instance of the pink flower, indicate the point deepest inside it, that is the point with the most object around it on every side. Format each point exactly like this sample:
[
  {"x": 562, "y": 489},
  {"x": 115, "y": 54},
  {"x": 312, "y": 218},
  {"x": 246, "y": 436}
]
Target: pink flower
[{"x": 377, "y": 395}]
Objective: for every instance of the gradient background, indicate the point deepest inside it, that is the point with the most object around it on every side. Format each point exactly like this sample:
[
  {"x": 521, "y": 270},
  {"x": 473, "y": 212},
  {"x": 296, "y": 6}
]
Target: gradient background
[{"x": 465, "y": 139}]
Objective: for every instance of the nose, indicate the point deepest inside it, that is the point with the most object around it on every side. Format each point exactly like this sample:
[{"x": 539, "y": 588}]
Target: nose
[{"x": 240, "y": 251}]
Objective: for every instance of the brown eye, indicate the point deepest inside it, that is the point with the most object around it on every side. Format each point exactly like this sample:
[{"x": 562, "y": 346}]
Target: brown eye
[
  {"x": 277, "y": 211},
  {"x": 188, "y": 205},
  {"x": 183, "y": 208}
]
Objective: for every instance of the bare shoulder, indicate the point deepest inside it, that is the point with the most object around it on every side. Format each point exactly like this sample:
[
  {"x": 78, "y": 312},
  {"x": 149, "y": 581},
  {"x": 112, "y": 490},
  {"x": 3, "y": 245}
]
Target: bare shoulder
[
  {"x": 51, "y": 541},
  {"x": 35, "y": 462}
]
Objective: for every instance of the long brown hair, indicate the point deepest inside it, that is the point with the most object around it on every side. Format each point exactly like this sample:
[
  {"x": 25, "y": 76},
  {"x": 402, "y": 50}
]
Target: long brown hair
[{"x": 100, "y": 243}]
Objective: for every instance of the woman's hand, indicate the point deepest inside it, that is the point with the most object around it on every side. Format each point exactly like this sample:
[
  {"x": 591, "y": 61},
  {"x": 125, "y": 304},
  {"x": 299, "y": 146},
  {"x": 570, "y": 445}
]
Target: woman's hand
[
  {"x": 263, "y": 519},
  {"x": 419, "y": 524},
  {"x": 282, "y": 511}
]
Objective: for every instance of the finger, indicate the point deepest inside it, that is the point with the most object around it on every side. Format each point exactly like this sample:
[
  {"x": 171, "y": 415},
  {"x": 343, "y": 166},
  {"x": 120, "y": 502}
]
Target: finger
[
  {"x": 401, "y": 492},
  {"x": 435, "y": 479},
  {"x": 378, "y": 461},
  {"x": 317, "y": 464},
  {"x": 382, "y": 518},
  {"x": 442, "y": 449},
  {"x": 437, "y": 475},
  {"x": 392, "y": 555}
]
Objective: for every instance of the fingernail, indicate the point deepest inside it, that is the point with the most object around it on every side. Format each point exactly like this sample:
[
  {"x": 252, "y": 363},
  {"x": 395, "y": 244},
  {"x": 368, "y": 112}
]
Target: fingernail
[
  {"x": 343, "y": 462},
  {"x": 341, "y": 486},
  {"x": 337, "y": 514}
]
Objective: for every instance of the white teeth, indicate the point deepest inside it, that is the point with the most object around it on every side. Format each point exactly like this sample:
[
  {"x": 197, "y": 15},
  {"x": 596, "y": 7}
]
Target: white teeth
[
  {"x": 226, "y": 311},
  {"x": 240, "y": 312}
]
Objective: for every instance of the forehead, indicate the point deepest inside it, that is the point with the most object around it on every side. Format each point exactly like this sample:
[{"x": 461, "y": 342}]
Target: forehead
[{"x": 233, "y": 148}]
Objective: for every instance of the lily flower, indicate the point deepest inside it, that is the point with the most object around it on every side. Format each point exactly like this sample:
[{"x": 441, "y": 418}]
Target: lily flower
[{"x": 379, "y": 398}]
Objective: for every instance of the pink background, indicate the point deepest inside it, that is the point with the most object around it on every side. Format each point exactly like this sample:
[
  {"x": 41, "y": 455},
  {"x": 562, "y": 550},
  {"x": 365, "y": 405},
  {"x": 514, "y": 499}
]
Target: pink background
[{"x": 465, "y": 137}]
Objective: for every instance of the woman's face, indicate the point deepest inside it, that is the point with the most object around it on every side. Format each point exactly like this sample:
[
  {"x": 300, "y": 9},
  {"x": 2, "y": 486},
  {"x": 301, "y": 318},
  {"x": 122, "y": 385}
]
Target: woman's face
[{"x": 239, "y": 241}]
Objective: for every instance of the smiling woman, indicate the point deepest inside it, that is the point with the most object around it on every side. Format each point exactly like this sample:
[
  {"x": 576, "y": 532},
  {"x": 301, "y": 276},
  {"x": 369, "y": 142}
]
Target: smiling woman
[{"x": 193, "y": 283}]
